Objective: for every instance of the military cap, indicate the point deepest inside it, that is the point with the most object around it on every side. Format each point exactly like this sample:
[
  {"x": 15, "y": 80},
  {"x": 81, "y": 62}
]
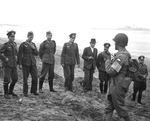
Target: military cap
[
  {"x": 72, "y": 34},
  {"x": 11, "y": 33},
  {"x": 30, "y": 33},
  {"x": 93, "y": 41},
  {"x": 142, "y": 57},
  {"x": 48, "y": 32},
  {"x": 107, "y": 45}
]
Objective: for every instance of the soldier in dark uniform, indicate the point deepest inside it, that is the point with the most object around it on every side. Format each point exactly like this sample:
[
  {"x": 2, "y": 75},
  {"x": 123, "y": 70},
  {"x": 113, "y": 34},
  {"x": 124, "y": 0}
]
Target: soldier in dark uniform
[
  {"x": 8, "y": 54},
  {"x": 69, "y": 57},
  {"x": 90, "y": 57},
  {"x": 117, "y": 69},
  {"x": 140, "y": 85},
  {"x": 46, "y": 52},
  {"x": 27, "y": 62},
  {"x": 103, "y": 76}
]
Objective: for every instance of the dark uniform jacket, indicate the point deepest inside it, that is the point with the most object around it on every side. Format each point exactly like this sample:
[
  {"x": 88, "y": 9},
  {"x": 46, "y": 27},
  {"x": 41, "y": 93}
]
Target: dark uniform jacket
[
  {"x": 143, "y": 70},
  {"x": 9, "y": 50},
  {"x": 89, "y": 63},
  {"x": 26, "y": 54},
  {"x": 47, "y": 51},
  {"x": 70, "y": 54},
  {"x": 102, "y": 57}
]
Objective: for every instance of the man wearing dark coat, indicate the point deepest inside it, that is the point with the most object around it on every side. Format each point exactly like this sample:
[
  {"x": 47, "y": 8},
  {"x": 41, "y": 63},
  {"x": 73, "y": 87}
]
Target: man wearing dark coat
[
  {"x": 69, "y": 58},
  {"x": 140, "y": 84},
  {"x": 47, "y": 54},
  {"x": 27, "y": 62},
  {"x": 103, "y": 76},
  {"x": 8, "y": 55},
  {"x": 89, "y": 56}
]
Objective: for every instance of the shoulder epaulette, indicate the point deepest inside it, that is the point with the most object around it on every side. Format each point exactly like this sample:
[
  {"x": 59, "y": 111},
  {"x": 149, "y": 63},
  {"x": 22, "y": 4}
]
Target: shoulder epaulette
[{"x": 44, "y": 41}]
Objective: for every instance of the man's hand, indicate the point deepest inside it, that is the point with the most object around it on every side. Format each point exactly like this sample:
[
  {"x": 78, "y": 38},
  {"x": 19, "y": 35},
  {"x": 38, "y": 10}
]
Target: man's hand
[
  {"x": 32, "y": 46},
  {"x": 20, "y": 67},
  {"x": 144, "y": 76},
  {"x": 16, "y": 58},
  {"x": 62, "y": 65},
  {"x": 78, "y": 65},
  {"x": 91, "y": 58},
  {"x": 7, "y": 60}
]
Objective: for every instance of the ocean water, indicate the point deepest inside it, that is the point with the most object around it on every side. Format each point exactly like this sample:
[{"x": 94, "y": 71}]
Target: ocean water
[{"x": 139, "y": 41}]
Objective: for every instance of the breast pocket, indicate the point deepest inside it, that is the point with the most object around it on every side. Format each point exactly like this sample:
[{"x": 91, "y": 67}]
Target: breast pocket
[{"x": 9, "y": 49}]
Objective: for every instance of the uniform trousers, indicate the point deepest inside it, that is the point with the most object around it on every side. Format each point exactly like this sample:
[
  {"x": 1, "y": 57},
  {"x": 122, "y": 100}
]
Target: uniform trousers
[
  {"x": 47, "y": 68},
  {"x": 69, "y": 76},
  {"x": 138, "y": 87},
  {"x": 33, "y": 71},
  {"x": 88, "y": 78},
  {"x": 10, "y": 75},
  {"x": 103, "y": 77},
  {"x": 116, "y": 101}
]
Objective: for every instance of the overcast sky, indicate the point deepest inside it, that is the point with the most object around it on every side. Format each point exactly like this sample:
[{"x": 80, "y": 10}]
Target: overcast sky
[{"x": 76, "y": 13}]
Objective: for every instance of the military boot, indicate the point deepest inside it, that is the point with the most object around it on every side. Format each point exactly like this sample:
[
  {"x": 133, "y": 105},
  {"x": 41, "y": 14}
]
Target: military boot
[
  {"x": 51, "y": 86},
  {"x": 139, "y": 98},
  {"x": 40, "y": 86},
  {"x": 101, "y": 87},
  {"x": 127, "y": 118},
  {"x": 70, "y": 87},
  {"x": 134, "y": 97},
  {"x": 105, "y": 87},
  {"x": 6, "y": 96},
  {"x": 11, "y": 88}
]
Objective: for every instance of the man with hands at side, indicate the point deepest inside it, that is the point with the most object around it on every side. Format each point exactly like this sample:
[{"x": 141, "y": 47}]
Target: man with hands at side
[
  {"x": 27, "y": 62},
  {"x": 69, "y": 57}
]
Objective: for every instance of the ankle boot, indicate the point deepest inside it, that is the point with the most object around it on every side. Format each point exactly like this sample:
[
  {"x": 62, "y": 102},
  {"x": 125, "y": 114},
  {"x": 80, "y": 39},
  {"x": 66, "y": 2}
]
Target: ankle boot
[
  {"x": 6, "y": 96},
  {"x": 11, "y": 88}
]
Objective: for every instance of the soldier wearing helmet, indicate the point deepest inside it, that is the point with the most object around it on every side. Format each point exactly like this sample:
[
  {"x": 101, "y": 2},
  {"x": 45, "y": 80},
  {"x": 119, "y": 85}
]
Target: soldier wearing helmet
[{"x": 117, "y": 69}]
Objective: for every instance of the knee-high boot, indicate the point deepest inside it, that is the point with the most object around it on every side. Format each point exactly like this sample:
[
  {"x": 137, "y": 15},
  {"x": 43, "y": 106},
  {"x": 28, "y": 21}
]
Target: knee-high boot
[
  {"x": 6, "y": 91},
  {"x": 51, "y": 86},
  {"x": 41, "y": 85},
  {"x": 11, "y": 88},
  {"x": 139, "y": 97},
  {"x": 101, "y": 87},
  {"x": 134, "y": 96}
]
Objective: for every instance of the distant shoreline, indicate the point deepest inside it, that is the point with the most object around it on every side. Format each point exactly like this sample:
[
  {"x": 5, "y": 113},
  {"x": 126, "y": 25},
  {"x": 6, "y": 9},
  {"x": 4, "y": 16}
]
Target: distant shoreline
[
  {"x": 128, "y": 28},
  {"x": 143, "y": 29}
]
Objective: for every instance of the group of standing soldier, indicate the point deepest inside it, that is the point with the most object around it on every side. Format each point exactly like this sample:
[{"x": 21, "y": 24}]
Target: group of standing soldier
[
  {"x": 110, "y": 68},
  {"x": 25, "y": 58}
]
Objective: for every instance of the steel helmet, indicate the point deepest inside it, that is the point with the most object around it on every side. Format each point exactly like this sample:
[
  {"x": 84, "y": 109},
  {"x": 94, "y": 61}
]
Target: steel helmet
[{"x": 121, "y": 39}]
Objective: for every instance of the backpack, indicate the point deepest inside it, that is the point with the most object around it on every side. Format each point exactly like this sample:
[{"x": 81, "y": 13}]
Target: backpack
[{"x": 133, "y": 70}]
